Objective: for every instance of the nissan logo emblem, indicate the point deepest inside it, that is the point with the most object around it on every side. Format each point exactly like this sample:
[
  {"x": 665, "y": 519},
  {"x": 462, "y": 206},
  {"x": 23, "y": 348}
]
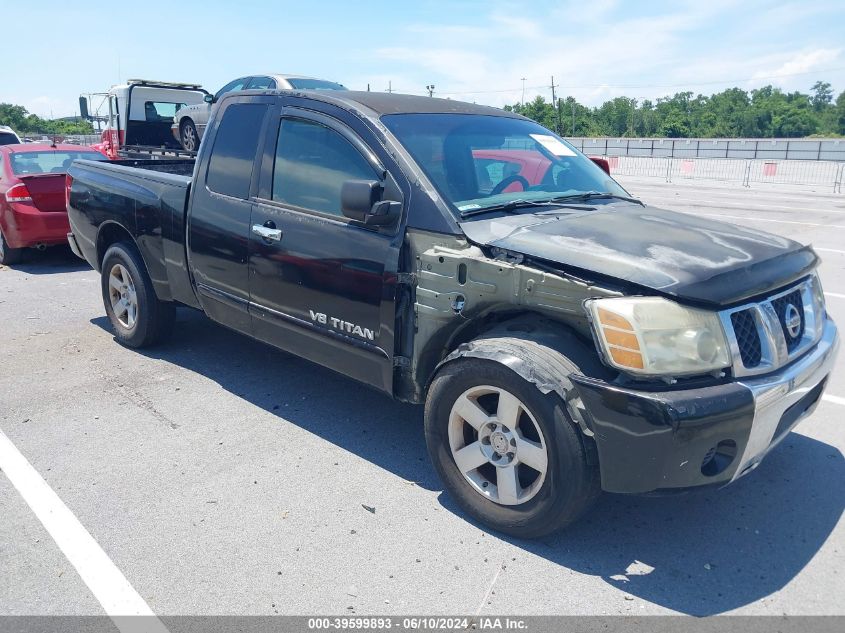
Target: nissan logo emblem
[{"x": 792, "y": 320}]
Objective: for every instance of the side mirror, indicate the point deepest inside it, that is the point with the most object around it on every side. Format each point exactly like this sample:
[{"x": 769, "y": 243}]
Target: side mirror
[
  {"x": 208, "y": 98},
  {"x": 360, "y": 200},
  {"x": 602, "y": 163},
  {"x": 83, "y": 108}
]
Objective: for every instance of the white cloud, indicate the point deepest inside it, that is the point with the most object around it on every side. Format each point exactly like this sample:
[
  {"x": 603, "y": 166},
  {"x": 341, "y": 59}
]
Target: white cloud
[
  {"x": 802, "y": 62},
  {"x": 602, "y": 49}
]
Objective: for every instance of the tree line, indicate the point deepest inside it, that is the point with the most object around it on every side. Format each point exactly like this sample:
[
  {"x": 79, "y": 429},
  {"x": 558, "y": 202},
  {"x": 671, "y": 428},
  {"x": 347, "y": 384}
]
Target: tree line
[
  {"x": 766, "y": 112},
  {"x": 21, "y": 121}
]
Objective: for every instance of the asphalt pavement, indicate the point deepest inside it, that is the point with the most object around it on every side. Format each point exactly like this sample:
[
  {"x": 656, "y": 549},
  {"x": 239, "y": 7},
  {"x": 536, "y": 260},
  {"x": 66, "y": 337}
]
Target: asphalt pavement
[{"x": 219, "y": 475}]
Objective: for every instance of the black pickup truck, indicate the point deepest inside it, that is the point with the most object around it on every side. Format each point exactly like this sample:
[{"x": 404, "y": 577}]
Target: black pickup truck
[{"x": 564, "y": 337}]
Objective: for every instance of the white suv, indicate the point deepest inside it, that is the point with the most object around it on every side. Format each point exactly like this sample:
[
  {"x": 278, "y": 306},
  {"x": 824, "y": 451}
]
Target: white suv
[{"x": 8, "y": 136}]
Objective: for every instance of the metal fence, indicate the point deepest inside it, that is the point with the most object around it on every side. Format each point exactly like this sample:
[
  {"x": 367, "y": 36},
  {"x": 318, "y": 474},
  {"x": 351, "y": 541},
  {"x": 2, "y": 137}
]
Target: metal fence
[
  {"x": 743, "y": 172},
  {"x": 743, "y": 148},
  {"x": 78, "y": 139}
]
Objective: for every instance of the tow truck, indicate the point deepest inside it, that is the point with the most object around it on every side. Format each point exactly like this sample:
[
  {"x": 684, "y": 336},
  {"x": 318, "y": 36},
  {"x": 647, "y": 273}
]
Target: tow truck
[{"x": 138, "y": 115}]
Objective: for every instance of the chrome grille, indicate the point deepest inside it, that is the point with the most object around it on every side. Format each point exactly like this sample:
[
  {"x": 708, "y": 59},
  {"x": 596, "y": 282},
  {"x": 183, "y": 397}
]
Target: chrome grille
[
  {"x": 745, "y": 330},
  {"x": 766, "y": 335}
]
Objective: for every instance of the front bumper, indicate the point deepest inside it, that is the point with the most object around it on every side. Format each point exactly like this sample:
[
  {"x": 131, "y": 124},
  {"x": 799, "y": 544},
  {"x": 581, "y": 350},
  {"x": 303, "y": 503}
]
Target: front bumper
[{"x": 670, "y": 440}]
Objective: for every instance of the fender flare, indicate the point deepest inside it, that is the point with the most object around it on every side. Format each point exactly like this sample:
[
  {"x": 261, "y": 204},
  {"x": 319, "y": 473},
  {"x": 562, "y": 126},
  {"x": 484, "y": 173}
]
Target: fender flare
[{"x": 543, "y": 352}]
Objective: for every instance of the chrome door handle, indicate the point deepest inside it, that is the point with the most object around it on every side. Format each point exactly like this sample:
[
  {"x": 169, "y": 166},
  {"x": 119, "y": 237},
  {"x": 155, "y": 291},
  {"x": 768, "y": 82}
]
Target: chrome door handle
[{"x": 272, "y": 235}]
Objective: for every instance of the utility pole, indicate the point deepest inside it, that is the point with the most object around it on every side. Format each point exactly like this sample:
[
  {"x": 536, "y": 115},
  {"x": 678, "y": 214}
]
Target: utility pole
[
  {"x": 523, "y": 92},
  {"x": 390, "y": 86},
  {"x": 430, "y": 90},
  {"x": 368, "y": 87},
  {"x": 633, "y": 109},
  {"x": 555, "y": 104},
  {"x": 573, "y": 117}
]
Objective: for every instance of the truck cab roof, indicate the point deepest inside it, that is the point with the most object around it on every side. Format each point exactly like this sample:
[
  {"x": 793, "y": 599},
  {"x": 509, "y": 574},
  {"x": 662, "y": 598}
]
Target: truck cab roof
[{"x": 377, "y": 104}]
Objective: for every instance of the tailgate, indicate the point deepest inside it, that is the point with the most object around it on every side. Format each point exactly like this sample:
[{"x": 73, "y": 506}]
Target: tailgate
[{"x": 47, "y": 191}]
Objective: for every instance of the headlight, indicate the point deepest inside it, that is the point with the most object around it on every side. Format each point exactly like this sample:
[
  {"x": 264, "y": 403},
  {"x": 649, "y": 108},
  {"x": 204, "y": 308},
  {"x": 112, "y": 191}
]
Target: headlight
[
  {"x": 818, "y": 298},
  {"x": 653, "y": 336}
]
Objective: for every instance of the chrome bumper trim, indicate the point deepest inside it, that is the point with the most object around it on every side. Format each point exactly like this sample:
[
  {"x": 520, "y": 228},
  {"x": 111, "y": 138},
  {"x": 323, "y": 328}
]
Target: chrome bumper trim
[{"x": 774, "y": 394}]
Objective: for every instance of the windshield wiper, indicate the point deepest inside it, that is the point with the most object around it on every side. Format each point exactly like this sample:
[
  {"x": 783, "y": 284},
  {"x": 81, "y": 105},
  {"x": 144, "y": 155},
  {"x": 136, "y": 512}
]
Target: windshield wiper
[
  {"x": 513, "y": 205},
  {"x": 594, "y": 195}
]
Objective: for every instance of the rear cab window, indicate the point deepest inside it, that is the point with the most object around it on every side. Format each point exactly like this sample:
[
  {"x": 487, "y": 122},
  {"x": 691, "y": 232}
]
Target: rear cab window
[
  {"x": 159, "y": 111},
  {"x": 233, "y": 154},
  {"x": 8, "y": 139}
]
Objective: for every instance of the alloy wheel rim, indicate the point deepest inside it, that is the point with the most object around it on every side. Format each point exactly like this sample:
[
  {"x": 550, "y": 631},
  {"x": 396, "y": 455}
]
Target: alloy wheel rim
[
  {"x": 122, "y": 296},
  {"x": 189, "y": 138},
  {"x": 497, "y": 445}
]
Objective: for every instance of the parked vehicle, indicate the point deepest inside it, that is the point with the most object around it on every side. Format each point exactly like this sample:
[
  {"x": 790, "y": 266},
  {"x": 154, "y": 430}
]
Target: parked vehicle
[
  {"x": 564, "y": 337},
  {"x": 190, "y": 121},
  {"x": 138, "y": 116},
  {"x": 8, "y": 136},
  {"x": 32, "y": 196}
]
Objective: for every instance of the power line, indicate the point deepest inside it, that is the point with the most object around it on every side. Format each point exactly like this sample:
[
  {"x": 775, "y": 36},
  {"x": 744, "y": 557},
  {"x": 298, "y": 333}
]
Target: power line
[{"x": 680, "y": 85}]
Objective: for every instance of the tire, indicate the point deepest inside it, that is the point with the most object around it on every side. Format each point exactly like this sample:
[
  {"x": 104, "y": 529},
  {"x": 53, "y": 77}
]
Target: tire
[
  {"x": 543, "y": 503},
  {"x": 137, "y": 316},
  {"x": 9, "y": 255},
  {"x": 188, "y": 136}
]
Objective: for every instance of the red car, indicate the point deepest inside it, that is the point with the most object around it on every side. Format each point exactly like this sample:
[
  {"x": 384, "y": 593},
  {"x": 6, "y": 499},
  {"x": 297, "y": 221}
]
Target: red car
[{"x": 32, "y": 196}]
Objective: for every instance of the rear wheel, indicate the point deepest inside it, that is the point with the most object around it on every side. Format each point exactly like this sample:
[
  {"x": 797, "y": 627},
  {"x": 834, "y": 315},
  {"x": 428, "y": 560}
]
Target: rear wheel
[
  {"x": 189, "y": 136},
  {"x": 507, "y": 453},
  {"x": 137, "y": 316},
  {"x": 9, "y": 255}
]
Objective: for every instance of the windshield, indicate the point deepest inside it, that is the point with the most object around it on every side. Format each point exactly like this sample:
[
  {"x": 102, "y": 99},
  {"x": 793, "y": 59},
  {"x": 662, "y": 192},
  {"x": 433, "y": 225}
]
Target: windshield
[
  {"x": 29, "y": 163},
  {"x": 314, "y": 84},
  {"x": 480, "y": 161}
]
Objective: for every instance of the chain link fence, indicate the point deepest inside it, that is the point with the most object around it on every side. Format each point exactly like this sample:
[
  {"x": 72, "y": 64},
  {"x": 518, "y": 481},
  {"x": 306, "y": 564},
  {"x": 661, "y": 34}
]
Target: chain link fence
[
  {"x": 75, "y": 139},
  {"x": 742, "y": 172}
]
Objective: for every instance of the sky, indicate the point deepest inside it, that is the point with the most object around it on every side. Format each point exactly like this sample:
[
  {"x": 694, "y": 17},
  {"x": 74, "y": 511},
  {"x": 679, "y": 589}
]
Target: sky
[{"x": 469, "y": 50}]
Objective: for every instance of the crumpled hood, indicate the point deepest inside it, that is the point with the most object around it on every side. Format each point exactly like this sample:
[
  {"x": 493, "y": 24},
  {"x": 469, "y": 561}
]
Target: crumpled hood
[{"x": 673, "y": 253}]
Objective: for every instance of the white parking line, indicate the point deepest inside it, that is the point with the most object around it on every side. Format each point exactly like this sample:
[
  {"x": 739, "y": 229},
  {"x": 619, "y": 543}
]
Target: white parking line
[
  {"x": 834, "y": 294},
  {"x": 828, "y": 250},
  {"x": 104, "y": 579},
  {"x": 834, "y": 399}
]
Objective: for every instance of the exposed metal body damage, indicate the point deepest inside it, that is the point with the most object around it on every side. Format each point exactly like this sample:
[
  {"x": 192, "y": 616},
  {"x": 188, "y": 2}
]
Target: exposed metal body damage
[{"x": 461, "y": 293}]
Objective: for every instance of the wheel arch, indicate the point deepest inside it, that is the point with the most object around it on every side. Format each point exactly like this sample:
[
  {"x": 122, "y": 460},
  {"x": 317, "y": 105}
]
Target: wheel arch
[
  {"x": 111, "y": 233},
  {"x": 108, "y": 234},
  {"x": 542, "y": 351}
]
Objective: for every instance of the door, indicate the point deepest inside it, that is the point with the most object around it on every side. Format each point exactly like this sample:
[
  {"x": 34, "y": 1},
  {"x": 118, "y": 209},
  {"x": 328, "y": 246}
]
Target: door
[
  {"x": 317, "y": 281},
  {"x": 218, "y": 230}
]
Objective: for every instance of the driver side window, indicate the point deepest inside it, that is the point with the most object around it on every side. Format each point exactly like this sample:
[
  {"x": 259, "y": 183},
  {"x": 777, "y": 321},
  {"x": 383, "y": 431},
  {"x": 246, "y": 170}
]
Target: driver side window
[{"x": 312, "y": 163}]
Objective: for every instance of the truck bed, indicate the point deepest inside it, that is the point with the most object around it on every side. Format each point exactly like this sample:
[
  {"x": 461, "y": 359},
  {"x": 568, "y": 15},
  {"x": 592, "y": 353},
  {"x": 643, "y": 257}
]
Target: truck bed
[
  {"x": 147, "y": 198},
  {"x": 176, "y": 166}
]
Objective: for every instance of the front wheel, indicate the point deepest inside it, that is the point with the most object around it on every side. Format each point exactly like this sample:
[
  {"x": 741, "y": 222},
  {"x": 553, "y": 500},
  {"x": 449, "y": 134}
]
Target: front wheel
[
  {"x": 188, "y": 134},
  {"x": 137, "y": 316},
  {"x": 508, "y": 454}
]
